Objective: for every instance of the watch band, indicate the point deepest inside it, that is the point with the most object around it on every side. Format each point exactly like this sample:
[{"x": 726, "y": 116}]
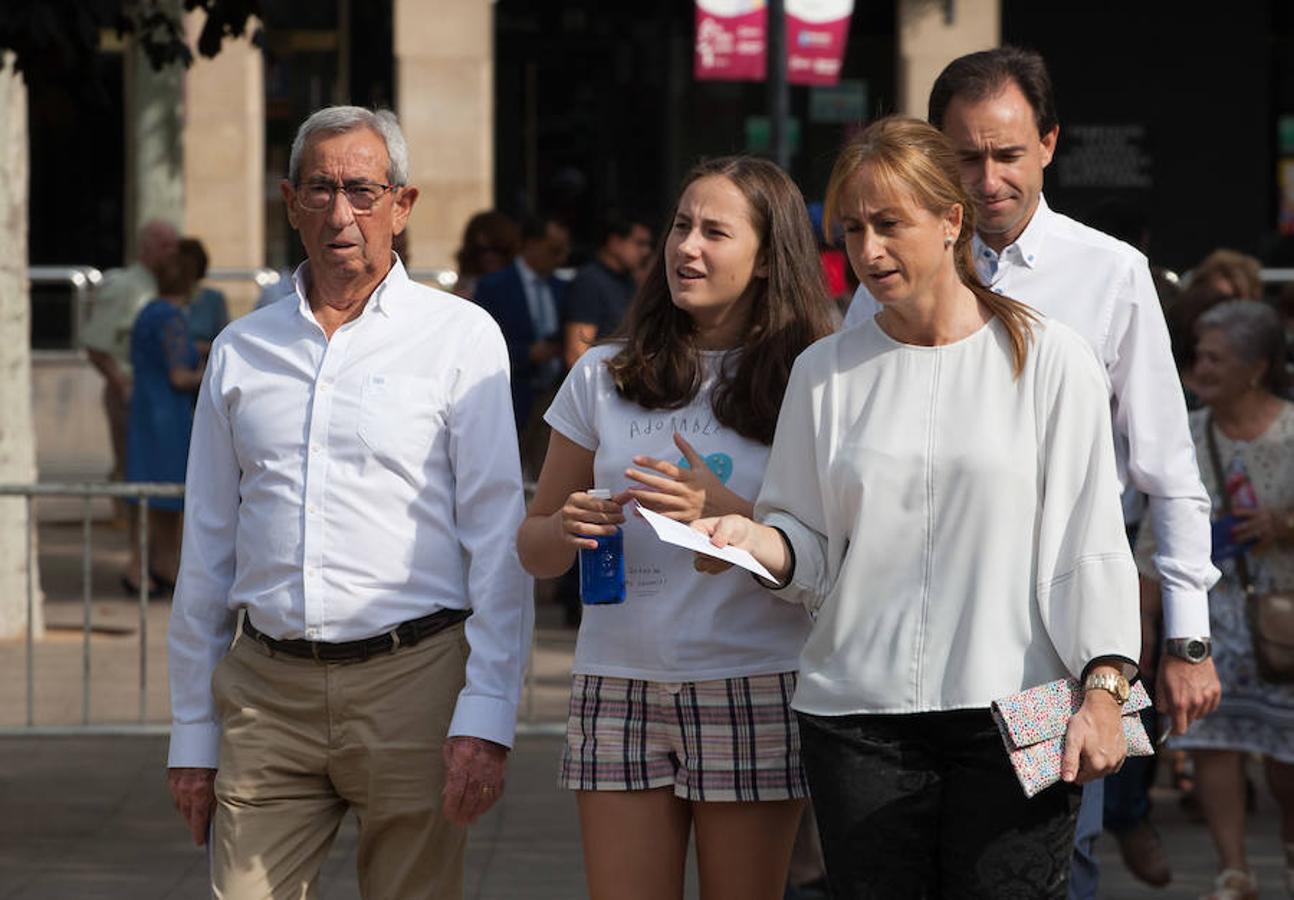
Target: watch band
[
  {"x": 1116, "y": 685},
  {"x": 1191, "y": 649}
]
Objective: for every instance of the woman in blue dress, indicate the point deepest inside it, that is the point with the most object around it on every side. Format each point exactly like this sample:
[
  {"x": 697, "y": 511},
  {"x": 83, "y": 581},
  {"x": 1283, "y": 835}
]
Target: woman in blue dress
[
  {"x": 167, "y": 374},
  {"x": 207, "y": 311}
]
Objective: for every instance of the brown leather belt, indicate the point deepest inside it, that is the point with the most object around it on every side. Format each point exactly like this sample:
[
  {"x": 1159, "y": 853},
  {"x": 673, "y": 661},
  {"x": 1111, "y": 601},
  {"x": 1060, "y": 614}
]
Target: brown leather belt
[{"x": 406, "y": 634}]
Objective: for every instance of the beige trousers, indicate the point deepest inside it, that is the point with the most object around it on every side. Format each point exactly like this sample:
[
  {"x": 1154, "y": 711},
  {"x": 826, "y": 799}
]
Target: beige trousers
[{"x": 303, "y": 742}]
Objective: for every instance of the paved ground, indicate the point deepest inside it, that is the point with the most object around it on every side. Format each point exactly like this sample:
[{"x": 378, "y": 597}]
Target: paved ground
[{"x": 88, "y": 816}]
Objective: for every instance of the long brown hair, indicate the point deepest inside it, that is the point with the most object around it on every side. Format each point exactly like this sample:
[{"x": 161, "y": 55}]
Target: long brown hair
[
  {"x": 910, "y": 155},
  {"x": 659, "y": 366}
]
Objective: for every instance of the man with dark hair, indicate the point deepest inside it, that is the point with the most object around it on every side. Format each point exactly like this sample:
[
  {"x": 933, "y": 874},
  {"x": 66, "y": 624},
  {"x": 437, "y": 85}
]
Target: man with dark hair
[
  {"x": 526, "y": 298},
  {"x": 599, "y": 296},
  {"x": 997, "y": 108}
]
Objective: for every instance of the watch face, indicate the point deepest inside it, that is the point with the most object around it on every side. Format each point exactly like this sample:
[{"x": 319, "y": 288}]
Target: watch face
[{"x": 1196, "y": 650}]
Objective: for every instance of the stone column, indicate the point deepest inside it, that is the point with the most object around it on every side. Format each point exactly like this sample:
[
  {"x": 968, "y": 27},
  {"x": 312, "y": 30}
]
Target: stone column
[
  {"x": 154, "y": 140},
  {"x": 17, "y": 443},
  {"x": 224, "y": 159},
  {"x": 444, "y": 57},
  {"x": 928, "y": 42}
]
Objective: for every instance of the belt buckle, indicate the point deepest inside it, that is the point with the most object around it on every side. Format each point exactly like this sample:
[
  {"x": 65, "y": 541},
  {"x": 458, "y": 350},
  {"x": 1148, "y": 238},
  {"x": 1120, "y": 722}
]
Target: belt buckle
[
  {"x": 314, "y": 651},
  {"x": 395, "y": 639}
]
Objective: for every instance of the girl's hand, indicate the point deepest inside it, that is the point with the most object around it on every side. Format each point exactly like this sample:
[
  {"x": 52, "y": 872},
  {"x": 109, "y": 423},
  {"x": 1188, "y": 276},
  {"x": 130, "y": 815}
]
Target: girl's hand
[
  {"x": 582, "y": 518},
  {"x": 682, "y": 494}
]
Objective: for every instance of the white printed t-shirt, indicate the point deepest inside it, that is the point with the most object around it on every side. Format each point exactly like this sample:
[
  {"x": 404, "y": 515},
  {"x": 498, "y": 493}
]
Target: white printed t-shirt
[{"x": 676, "y": 624}]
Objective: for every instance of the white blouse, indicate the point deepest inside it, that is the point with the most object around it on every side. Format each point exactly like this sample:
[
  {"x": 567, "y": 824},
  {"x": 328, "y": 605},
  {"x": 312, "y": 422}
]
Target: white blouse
[{"x": 957, "y": 530}]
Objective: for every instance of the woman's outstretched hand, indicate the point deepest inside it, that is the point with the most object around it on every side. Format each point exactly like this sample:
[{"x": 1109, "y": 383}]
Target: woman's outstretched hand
[{"x": 723, "y": 531}]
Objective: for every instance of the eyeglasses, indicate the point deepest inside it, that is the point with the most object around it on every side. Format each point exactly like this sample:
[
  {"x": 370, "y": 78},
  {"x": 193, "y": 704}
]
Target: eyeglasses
[{"x": 317, "y": 196}]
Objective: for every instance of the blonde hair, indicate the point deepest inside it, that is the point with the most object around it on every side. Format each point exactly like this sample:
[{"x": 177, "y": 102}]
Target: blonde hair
[
  {"x": 910, "y": 155},
  {"x": 1238, "y": 269}
]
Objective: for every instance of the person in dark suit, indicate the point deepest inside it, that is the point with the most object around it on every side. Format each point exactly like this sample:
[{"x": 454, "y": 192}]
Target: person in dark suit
[{"x": 525, "y": 298}]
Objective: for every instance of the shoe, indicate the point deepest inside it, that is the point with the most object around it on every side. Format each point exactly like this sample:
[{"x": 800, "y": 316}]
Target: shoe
[
  {"x": 1143, "y": 854},
  {"x": 1233, "y": 884},
  {"x": 164, "y": 584},
  {"x": 131, "y": 588}
]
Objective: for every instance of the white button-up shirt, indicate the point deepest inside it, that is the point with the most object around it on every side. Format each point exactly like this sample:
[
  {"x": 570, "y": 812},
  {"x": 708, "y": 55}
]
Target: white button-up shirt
[
  {"x": 338, "y": 487},
  {"x": 1101, "y": 287}
]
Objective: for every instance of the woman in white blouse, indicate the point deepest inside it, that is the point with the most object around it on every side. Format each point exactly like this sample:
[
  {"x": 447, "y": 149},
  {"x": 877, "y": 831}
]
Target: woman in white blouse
[
  {"x": 680, "y": 705},
  {"x": 955, "y": 529}
]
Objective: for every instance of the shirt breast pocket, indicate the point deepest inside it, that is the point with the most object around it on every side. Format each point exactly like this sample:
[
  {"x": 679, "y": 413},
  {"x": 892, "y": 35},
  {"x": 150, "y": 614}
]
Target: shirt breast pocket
[{"x": 398, "y": 417}]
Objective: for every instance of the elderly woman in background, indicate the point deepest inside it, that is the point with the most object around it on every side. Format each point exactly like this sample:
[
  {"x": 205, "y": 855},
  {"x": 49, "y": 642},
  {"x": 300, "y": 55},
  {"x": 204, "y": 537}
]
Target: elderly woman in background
[{"x": 1240, "y": 376}]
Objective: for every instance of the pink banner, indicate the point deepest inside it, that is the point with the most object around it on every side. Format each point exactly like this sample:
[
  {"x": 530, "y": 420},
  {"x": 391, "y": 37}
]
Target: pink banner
[
  {"x": 816, "y": 32},
  {"x": 731, "y": 40}
]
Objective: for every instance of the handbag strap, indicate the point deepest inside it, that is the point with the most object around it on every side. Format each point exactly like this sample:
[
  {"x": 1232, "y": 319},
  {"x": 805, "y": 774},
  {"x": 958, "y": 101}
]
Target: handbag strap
[{"x": 1242, "y": 562}]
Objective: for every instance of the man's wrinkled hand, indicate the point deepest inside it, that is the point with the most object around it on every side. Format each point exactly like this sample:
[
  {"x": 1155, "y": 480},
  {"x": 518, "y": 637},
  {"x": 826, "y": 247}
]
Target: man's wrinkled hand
[
  {"x": 474, "y": 770},
  {"x": 194, "y": 793},
  {"x": 1186, "y": 691}
]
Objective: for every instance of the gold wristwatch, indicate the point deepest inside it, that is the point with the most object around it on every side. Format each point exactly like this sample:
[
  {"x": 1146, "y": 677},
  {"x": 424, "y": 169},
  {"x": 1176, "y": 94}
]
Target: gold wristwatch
[{"x": 1116, "y": 684}]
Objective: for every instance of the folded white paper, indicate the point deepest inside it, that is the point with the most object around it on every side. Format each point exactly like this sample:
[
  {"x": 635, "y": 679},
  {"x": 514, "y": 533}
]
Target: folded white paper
[{"x": 672, "y": 532}]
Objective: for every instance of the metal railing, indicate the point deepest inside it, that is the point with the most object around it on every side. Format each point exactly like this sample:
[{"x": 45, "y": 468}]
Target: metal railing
[
  {"x": 144, "y": 492},
  {"x": 82, "y": 279},
  {"x": 262, "y": 277}
]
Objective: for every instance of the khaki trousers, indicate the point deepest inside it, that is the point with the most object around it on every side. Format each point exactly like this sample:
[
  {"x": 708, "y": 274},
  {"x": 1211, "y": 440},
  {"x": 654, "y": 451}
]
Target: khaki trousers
[{"x": 303, "y": 742}]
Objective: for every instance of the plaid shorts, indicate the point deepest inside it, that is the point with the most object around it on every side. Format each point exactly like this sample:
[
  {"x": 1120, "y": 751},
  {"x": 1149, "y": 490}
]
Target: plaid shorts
[{"x": 730, "y": 740}]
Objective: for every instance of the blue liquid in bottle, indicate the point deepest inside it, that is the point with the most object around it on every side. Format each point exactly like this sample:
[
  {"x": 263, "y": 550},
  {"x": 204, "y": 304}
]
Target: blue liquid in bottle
[{"x": 602, "y": 571}]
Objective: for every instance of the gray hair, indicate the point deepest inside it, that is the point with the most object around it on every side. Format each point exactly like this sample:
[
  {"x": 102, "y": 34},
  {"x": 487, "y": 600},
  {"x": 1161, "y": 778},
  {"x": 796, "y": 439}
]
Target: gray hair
[
  {"x": 1255, "y": 332},
  {"x": 343, "y": 119}
]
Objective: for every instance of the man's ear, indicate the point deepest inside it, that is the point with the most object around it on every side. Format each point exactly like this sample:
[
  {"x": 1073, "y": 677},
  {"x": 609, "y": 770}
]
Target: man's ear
[
  {"x": 289, "y": 201},
  {"x": 403, "y": 207},
  {"x": 1048, "y": 142}
]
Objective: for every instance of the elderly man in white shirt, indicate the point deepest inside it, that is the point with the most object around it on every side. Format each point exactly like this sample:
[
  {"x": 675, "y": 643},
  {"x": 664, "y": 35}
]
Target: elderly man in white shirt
[
  {"x": 998, "y": 109},
  {"x": 353, "y": 490}
]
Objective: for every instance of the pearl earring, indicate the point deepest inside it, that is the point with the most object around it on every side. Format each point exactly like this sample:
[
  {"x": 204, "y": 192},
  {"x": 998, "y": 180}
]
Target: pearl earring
[{"x": 948, "y": 240}]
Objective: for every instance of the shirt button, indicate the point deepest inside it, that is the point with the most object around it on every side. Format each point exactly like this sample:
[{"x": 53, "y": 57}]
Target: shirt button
[
  {"x": 315, "y": 448},
  {"x": 997, "y": 290},
  {"x": 314, "y": 510}
]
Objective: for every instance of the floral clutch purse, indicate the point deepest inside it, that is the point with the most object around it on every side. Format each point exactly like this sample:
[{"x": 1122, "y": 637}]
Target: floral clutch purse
[{"x": 1033, "y": 724}]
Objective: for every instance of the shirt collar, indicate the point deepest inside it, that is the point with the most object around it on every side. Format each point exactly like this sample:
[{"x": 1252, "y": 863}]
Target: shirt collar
[
  {"x": 528, "y": 275},
  {"x": 1027, "y": 248},
  {"x": 383, "y": 299}
]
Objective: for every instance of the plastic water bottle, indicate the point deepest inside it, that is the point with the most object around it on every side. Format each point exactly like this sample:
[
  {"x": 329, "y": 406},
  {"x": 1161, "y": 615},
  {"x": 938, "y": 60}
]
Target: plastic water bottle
[
  {"x": 602, "y": 571},
  {"x": 1239, "y": 486}
]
